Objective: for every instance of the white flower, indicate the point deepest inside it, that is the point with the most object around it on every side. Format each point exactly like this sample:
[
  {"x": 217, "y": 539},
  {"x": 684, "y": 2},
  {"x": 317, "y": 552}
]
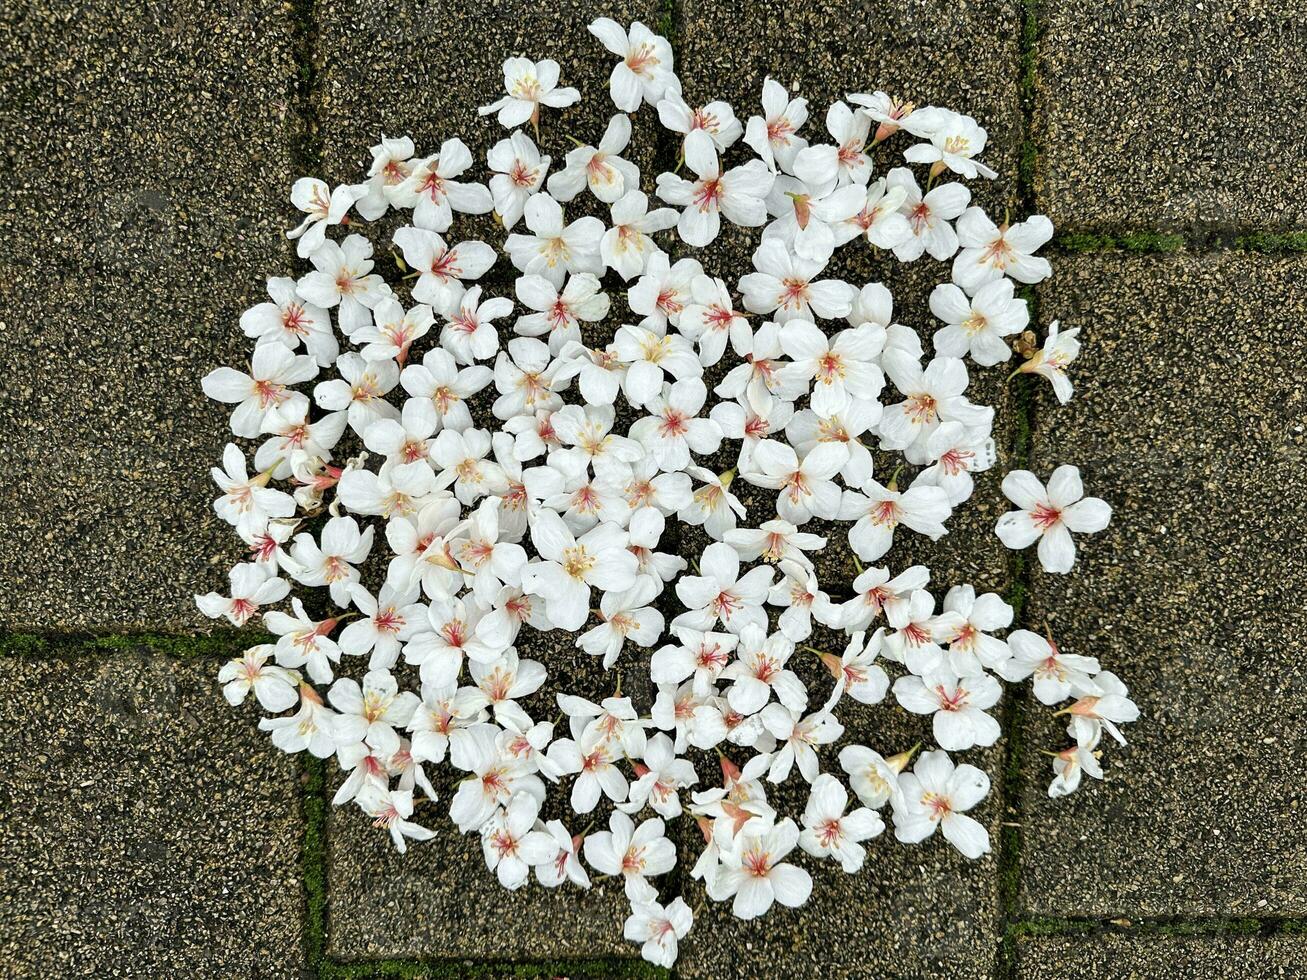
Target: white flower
[
  {"x": 660, "y": 777},
  {"x": 756, "y": 875},
  {"x": 510, "y": 845},
  {"x": 312, "y": 728},
  {"x": 645, "y": 69},
  {"x": 875, "y": 592},
  {"x": 957, "y": 703},
  {"x": 274, "y": 368},
  {"x": 1070, "y": 764},
  {"x": 673, "y": 428},
  {"x": 958, "y": 451},
  {"x": 873, "y": 777},
  {"x": 663, "y": 291},
  {"x": 290, "y": 321},
  {"x": 658, "y": 929},
  {"x": 1106, "y": 707},
  {"x": 711, "y": 319},
  {"x": 650, "y": 355},
  {"x": 626, "y": 247},
  {"x": 393, "y": 330},
  {"x": 572, "y": 566},
  {"x": 525, "y": 379},
  {"x": 392, "y": 163},
  {"x": 630, "y": 851},
  {"x": 784, "y": 284},
  {"x": 971, "y": 647},
  {"x": 529, "y": 86},
  {"x": 433, "y": 194},
  {"x": 955, "y": 140},
  {"x": 880, "y": 219},
  {"x": 772, "y": 135},
  {"x": 937, "y": 795},
  {"x": 391, "y": 809},
  {"x": 303, "y": 642},
  {"x": 717, "y": 119},
  {"x": 856, "y": 672},
  {"x": 738, "y": 193},
  {"x": 720, "y": 594},
  {"x": 323, "y": 208},
  {"x": 566, "y": 864},
  {"x": 501, "y": 682},
  {"x": 1049, "y": 515},
  {"x": 760, "y": 670},
  {"x": 275, "y": 687},
  {"x": 342, "y": 276},
  {"x": 447, "y": 387},
  {"x": 247, "y": 503},
  {"x": 713, "y": 505},
  {"x": 518, "y": 172},
  {"x": 977, "y": 325},
  {"x": 931, "y": 396},
  {"x": 928, "y": 216},
  {"x": 252, "y": 586},
  {"x": 989, "y": 253},
  {"x": 829, "y": 832},
  {"x": 469, "y": 332},
  {"x": 893, "y": 114},
  {"x": 879, "y": 510},
  {"x": 442, "y": 270},
  {"x": 797, "y": 737},
  {"x": 496, "y": 777},
  {"x": 360, "y": 391},
  {"x": 601, "y": 168},
  {"x": 559, "y": 313},
  {"x": 697, "y": 653},
  {"x": 838, "y": 370},
  {"x": 810, "y": 207},
  {"x": 389, "y": 619},
  {"x": 807, "y": 486},
  {"x": 343, "y": 546},
  {"x": 555, "y": 248},
  {"x": 624, "y": 615},
  {"x": 1058, "y": 675},
  {"x": 1051, "y": 362}
]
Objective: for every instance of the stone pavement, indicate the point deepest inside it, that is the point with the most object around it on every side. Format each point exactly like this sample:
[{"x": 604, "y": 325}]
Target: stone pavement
[{"x": 148, "y": 830}]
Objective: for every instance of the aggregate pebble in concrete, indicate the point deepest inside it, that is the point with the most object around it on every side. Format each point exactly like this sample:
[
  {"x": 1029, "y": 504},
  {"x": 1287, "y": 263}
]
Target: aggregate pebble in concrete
[
  {"x": 1178, "y": 115},
  {"x": 146, "y": 828},
  {"x": 1189, "y": 419},
  {"x": 174, "y": 123},
  {"x": 1153, "y": 957}
]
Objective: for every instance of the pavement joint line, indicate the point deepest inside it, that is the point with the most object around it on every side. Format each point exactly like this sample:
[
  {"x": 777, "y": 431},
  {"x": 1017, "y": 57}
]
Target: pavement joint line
[
  {"x": 1050, "y": 926},
  {"x": 1021, "y": 393},
  {"x": 1148, "y": 241},
  {"x": 431, "y": 969},
  {"x": 219, "y": 644}
]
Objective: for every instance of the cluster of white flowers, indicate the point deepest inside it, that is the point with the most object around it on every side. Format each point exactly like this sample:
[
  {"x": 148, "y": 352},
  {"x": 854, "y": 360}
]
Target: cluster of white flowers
[{"x": 549, "y": 517}]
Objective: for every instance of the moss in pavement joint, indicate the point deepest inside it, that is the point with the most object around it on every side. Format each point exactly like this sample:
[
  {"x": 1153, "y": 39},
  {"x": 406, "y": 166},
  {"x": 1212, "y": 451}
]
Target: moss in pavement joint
[
  {"x": 440, "y": 969},
  {"x": 1273, "y": 242},
  {"x": 1039, "y": 926},
  {"x": 218, "y": 644}
]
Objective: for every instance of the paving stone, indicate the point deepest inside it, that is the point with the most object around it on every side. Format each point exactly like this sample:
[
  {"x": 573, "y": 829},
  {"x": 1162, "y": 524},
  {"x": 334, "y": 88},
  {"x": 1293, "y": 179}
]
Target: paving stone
[
  {"x": 175, "y": 217},
  {"x": 1147, "y": 957},
  {"x": 1134, "y": 124},
  {"x": 1189, "y": 419},
  {"x": 146, "y": 829}
]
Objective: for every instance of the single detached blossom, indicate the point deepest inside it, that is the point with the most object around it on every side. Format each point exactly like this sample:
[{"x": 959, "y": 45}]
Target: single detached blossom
[
  {"x": 830, "y": 832},
  {"x": 976, "y": 325},
  {"x": 1049, "y": 515},
  {"x": 658, "y": 929},
  {"x": 936, "y": 795},
  {"x": 738, "y": 193},
  {"x": 928, "y": 215},
  {"x": 602, "y": 169},
  {"x": 773, "y": 134},
  {"x": 955, "y": 140},
  {"x": 529, "y": 85},
  {"x": 990, "y": 252},
  {"x": 645, "y": 69},
  {"x": 1059, "y": 350},
  {"x": 518, "y": 170},
  {"x": 757, "y": 875},
  {"x": 323, "y": 208}
]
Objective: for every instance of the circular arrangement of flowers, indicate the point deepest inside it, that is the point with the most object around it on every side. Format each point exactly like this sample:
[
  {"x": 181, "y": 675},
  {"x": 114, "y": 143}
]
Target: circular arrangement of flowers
[{"x": 444, "y": 472}]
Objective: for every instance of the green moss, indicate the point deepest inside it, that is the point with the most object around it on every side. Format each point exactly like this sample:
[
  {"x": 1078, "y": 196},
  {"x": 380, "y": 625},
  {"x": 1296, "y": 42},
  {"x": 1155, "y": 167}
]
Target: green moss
[
  {"x": 219, "y": 644},
  {"x": 1272, "y": 242},
  {"x": 433, "y": 969}
]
